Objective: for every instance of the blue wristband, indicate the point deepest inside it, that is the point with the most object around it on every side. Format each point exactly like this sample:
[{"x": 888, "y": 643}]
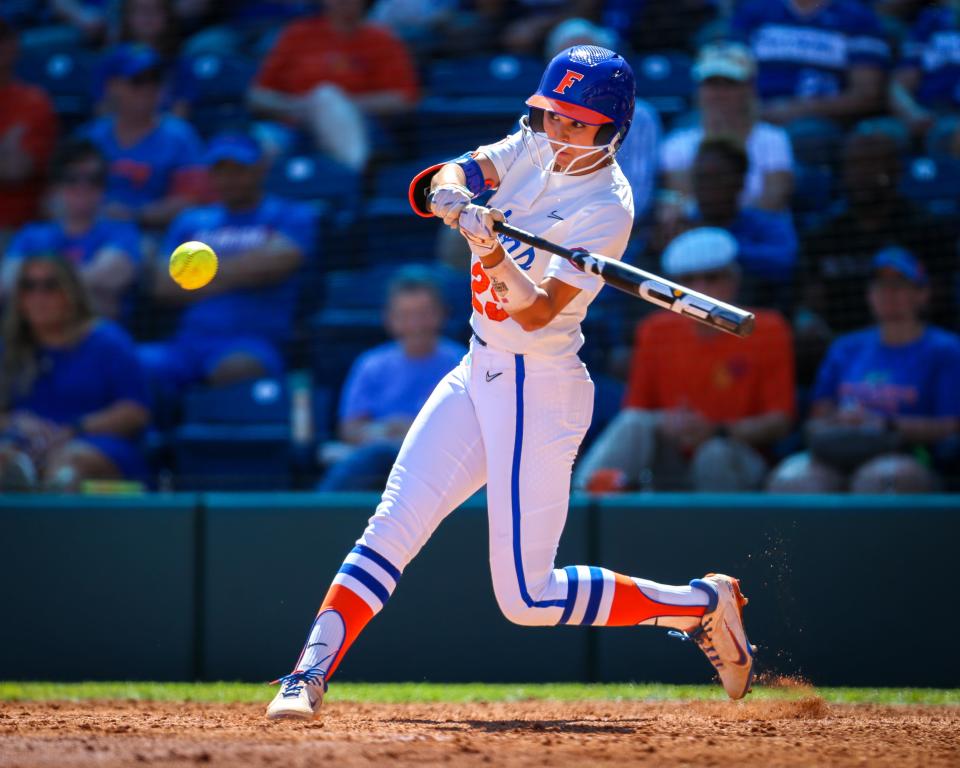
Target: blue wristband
[{"x": 474, "y": 173}]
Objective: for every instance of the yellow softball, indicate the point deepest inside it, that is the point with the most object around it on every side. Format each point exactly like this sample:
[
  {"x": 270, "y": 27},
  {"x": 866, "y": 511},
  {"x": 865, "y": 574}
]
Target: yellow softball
[{"x": 193, "y": 265}]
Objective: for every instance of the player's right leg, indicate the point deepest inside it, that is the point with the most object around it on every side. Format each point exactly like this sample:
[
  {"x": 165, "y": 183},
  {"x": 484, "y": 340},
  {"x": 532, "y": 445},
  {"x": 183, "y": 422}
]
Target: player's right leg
[
  {"x": 441, "y": 464},
  {"x": 533, "y": 418}
]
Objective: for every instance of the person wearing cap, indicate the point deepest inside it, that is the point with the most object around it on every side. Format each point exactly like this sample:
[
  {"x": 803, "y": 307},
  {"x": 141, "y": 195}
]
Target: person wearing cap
[
  {"x": 28, "y": 132},
  {"x": 703, "y": 409},
  {"x": 106, "y": 252},
  {"x": 885, "y": 409},
  {"x": 726, "y": 95},
  {"x": 638, "y": 156},
  {"x": 154, "y": 159},
  {"x": 235, "y": 327}
]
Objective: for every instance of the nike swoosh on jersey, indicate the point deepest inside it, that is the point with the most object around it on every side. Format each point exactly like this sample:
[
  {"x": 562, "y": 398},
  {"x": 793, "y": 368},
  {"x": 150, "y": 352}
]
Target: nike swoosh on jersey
[
  {"x": 554, "y": 215},
  {"x": 491, "y": 378}
]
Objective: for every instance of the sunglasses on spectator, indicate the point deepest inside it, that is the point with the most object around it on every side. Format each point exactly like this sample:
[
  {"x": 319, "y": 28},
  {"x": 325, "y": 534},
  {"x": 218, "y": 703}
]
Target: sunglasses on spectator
[
  {"x": 40, "y": 285},
  {"x": 88, "y": 179}
]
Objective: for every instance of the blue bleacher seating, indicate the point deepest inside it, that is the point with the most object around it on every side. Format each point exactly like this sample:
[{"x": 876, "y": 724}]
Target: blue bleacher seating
[
  {"x": 390, "y": 232},
  {"x": 313, "y": 177},
  {"x": 664, "y": 80},
  {"x": 933, "y": 183},
  {"x": 446, "y": 131},
  {"x": 219, "y": 79},
  {"x": 497, "y": 77},
  {"x": 66, "y": 75},
  {"x": 238, "y": 437},
  {"x": 473, "y": 101}
]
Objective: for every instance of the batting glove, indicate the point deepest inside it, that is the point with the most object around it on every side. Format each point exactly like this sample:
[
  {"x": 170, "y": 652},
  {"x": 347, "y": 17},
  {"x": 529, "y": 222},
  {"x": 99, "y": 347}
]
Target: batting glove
[
  {"x": 448, "y": 201},
  {"x": 476, "y": 225}
]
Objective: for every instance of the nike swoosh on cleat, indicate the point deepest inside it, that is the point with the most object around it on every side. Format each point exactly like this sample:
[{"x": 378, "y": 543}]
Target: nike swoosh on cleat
[
  {"x": 314, "y": 645},
  {"x": 743, "y": 656}
]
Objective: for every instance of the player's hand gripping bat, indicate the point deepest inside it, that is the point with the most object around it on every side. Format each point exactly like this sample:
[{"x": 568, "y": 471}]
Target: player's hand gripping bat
[{"x": 646, "y": 285}]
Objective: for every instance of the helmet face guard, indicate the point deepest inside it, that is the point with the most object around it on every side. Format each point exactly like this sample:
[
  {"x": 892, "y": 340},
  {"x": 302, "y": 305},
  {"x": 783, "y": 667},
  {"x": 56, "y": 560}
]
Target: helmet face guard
[
  {"x": 591, "y": 85},
  {"x": 542, "y": 150}
]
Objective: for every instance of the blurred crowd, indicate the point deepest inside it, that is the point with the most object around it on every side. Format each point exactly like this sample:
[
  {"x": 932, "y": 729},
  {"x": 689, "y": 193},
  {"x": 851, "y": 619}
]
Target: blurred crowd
[{"x": 800, "y": 157}]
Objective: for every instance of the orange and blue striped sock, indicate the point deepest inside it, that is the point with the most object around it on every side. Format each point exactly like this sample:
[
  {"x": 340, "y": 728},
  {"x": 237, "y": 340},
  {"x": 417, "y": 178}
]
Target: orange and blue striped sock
[
  {"x": 359, "y": 591},
  {"x": 600, "y": 597}
]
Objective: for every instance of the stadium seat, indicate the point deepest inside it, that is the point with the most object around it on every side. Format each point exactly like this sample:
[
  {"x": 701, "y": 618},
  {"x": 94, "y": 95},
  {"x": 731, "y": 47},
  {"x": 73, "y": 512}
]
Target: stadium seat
[
  {"x": 497, "y": 77},
  {"x": 66, "y": 75},
  {"x": 664, "y": 80},
  {"x": 238, "y": 437},
  {"x": 391, "y": 232},
  {"x": 315, "y": 177},
  {"x": 933, "y": 183},
  {"x": 447, "y": 130},
  {"x": 393, "y": 181},
  {"x": 473, "y": 101},
  {"x": 219, "y": 79}
]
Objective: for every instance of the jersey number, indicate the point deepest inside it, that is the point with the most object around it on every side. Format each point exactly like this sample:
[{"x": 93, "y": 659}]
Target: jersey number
[{"x": 478, "y": 285}]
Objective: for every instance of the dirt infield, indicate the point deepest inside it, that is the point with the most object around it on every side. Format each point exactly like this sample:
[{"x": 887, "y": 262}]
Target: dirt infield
[{"x": 529, "y": 733}]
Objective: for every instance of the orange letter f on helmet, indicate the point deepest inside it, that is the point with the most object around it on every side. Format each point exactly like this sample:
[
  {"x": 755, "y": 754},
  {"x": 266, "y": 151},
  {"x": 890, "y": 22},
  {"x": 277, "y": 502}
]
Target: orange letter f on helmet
[{"x": 568, "y": 80}]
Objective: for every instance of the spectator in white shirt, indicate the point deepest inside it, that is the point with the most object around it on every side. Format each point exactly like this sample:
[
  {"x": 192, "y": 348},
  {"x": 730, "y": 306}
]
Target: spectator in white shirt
[{"x": 726, "y": 73}]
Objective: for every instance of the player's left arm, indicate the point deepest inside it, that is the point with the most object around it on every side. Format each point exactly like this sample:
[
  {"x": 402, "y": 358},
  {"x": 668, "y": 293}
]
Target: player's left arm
[
  {"x": 552, "y": 296},
  {"x": 532, "y": 305},
  {"x": 599, "y": 229}
]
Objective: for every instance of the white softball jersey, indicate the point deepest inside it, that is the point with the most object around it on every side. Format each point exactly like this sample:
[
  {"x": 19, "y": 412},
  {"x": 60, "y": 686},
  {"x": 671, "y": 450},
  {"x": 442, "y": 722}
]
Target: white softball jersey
[
  {"x": 512, "y": 415},
  {"x": 594, "y": 212}
]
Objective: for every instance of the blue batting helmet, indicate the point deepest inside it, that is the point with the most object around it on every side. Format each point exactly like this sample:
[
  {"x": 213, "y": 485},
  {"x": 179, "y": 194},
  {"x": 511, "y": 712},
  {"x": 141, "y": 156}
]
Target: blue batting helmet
[{"x": 592, "y": 85}]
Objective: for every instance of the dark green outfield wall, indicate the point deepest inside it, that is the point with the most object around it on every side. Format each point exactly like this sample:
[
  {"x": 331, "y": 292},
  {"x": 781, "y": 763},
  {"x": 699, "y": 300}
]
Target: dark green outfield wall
[{"x": 844, "y": 590}]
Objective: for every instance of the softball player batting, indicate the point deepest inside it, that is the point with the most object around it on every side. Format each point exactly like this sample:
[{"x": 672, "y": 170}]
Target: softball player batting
[{"x": 513, "y": 413}]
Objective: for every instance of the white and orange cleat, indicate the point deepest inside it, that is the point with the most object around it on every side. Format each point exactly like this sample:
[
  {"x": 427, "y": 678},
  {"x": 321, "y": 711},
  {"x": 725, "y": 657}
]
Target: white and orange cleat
[
  {"x": 721, "y": 635},
  {"x": 299, "y": 697}
]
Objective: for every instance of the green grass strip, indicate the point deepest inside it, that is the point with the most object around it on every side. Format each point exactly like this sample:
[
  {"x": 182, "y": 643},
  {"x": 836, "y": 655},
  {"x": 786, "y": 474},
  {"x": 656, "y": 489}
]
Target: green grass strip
[{"x": 393, "y": 693}]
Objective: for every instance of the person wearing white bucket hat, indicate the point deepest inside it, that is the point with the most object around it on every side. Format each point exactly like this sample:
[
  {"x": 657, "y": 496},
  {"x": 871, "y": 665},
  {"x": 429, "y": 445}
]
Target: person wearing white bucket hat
[{"x": 702, "y": 409}]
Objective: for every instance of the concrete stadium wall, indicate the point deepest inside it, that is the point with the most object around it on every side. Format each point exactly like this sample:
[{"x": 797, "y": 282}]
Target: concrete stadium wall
[{"x": 844, "y": 590}]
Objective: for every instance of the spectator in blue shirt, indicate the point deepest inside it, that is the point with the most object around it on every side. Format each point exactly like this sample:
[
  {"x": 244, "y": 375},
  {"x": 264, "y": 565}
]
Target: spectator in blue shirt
[
  {"x": 926, "y": 85},
  {"x": 766, "y": 240},
  {"x": 819, "y": 59},
  {"x": 389, "y": 384},
  {"x": 886, "y": 403},
  {"x": 155, "y": 166},
  {"x": 105, "y": 252},
  {"x": 71, "y": 389},
  {"x": 234, "y": 328}
]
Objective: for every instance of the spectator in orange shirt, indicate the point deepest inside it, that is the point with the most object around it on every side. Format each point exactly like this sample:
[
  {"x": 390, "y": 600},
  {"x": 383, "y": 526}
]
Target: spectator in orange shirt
[
  {"x": 28, "y": 131},
  {"x": 331, "y": 73},
  {"x": 702, "y": 407}
]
